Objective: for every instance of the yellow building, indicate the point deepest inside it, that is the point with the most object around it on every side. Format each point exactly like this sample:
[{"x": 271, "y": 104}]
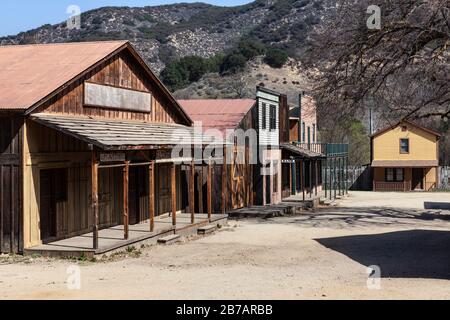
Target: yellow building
[{"x": 405, "y": 157}]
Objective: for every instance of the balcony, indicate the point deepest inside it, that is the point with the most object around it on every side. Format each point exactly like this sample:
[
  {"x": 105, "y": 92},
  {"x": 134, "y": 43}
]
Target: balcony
[{"x": 327, "y": 149}]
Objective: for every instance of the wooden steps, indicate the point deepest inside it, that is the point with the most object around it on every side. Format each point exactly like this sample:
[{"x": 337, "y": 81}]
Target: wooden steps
[
  {"x": 206, "y": 229},
  {"x": 173, "y": 238}
]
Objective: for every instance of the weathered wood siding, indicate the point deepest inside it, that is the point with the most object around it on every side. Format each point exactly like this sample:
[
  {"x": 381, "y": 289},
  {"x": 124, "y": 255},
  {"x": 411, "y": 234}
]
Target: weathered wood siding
[
  {"x": 120, "y": 71},
  {"x": 48, "y": 149},
  {"x": 11, "y": 231}
]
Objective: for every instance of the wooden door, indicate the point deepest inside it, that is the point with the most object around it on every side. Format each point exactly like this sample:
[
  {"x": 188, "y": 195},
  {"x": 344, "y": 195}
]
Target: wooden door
[
  {"x": 163, "y": 189},
  {"x": 417, "y": 179},
  {"x": 268, "y": 189},
  {"x": 137, "y": 194},
  {"x": 47, "y": 209},
  {"x": 237, "y": 179}
]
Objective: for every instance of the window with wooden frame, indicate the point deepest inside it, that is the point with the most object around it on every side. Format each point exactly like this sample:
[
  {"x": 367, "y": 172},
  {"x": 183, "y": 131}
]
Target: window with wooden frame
[
  {"x": 404, "y": 146},
  {"x": 273, "y": 117},
  {"x": 264, "y": 116},
  {"x": 303, "y": 132},
  {"x": 394, "y": 175},
  {"x": 314, "y": 133}
]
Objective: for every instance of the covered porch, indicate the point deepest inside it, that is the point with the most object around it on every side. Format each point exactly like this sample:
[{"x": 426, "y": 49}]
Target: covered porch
[
  {"x": 404, "y": 175},
  {"x": 134, "y": 188},
  {"x": 112, "y": 238}
]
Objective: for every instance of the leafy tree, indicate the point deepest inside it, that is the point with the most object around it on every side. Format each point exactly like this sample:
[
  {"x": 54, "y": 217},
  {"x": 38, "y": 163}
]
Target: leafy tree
[
  {"x": 276, "y": 58},
  {"x": 233, "y": 63}
]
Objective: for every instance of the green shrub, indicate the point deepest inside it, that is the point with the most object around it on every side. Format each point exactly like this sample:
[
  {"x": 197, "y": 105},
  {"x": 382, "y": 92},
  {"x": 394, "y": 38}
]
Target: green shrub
[{"x": 276, "y": 58}]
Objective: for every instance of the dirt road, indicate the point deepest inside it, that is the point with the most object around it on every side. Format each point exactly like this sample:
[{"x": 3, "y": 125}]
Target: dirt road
[{"x": 324, "y": 255}]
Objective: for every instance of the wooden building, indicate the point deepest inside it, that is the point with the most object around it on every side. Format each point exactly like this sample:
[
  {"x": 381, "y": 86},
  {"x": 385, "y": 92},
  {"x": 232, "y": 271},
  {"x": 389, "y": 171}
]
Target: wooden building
[
  {"x": 86, "y": 134},
  {"x": 256, "y": 182},
  {"x": 303, "y": 156},
  {"x": 224, "y": 118},
  {"x": 405, "y": 157}
]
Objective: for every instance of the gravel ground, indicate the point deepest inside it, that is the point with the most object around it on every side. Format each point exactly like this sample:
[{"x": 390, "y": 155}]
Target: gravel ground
[{"x": 321, "y": 255}]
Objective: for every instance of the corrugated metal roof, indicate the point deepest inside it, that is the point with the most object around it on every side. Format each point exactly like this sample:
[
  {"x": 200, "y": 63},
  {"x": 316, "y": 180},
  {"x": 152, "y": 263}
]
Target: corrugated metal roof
[
  {"x": 113, "y": 134},
  {"x": 301, "y": 151},
  {"x": 28, "y": 73},
  {"x": 221, "y": 114}
]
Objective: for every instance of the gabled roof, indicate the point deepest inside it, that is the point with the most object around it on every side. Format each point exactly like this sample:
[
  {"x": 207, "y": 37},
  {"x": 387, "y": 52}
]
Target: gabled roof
[
  {"x": 32, "y": 74},
  {"x": 220, "y": 114},
  {"x": 380, "y": 132}
]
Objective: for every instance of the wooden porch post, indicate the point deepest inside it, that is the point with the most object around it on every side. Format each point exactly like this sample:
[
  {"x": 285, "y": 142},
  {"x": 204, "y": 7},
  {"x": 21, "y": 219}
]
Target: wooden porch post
[
  {"x": 302, "y": 178},
  {"x": 174, "y": 194},
  {"x": 200, "y": 189},
  {"x": 209, "y": 185},
  {"x": 316, "y": 175},
  {"x": 310, "y": 178},
  {"x": 224, "y": 181},
  {"x": 151, "y": 196},
  {"x": 94, "y": 195},
  {"x": 192, "y": 191},
  {"x": 126, "y": 221}
]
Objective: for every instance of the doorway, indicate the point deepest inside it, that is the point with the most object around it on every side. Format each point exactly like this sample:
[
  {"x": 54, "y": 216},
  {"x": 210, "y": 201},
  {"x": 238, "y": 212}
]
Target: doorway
[
  {"x": 53, "y": 190},
  {"x": 417, "y": 179},
  {"x": 138, "y": 191}
]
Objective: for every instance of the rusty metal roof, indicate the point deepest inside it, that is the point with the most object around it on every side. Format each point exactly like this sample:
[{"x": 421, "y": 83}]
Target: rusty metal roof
[
  {"x": 115, "y": 135},
  {"x": 28, "y": 73},
  {"x": 220, "y": 114}
]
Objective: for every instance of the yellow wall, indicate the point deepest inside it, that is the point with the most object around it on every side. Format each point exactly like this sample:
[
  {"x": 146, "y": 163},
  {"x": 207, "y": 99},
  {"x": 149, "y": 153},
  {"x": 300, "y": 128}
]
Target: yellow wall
[{"x": 422, "y": 144}]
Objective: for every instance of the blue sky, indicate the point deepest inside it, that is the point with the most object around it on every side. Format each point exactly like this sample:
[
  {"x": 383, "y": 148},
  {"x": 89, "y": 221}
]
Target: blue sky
[{"x": 22, "y": 15}]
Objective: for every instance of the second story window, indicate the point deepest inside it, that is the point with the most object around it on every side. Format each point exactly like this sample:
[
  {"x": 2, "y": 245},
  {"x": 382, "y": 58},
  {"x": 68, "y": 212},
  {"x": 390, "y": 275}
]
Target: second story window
[
  {"x": 273, "y": 117},
  {"x": 264, "y": 116},
  {"x": 404, "y": 146},
  {"x": 314, "y": 133},
  {"x": 303, "y": 132}
]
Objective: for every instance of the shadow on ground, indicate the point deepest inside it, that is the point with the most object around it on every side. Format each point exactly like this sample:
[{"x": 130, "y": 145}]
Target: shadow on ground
[
  {"x": 342, "y": 218},
  {"x": 401, "y": 254}
]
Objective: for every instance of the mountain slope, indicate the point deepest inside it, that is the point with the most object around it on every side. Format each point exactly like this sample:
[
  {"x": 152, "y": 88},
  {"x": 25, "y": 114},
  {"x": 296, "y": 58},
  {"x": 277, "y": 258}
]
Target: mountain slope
[{"x": 165, "y": 33}]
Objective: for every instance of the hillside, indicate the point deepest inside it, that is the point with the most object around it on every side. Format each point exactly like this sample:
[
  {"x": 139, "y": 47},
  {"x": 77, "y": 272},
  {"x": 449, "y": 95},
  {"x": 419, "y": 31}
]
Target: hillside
[{"x": 166, "y": 33}]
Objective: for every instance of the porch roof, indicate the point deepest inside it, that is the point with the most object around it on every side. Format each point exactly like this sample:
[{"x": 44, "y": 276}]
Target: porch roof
[
  {"x": 110, "y": 134},
  {"x": 404, "y": 163},
  {"x": 305, "y": 153}
]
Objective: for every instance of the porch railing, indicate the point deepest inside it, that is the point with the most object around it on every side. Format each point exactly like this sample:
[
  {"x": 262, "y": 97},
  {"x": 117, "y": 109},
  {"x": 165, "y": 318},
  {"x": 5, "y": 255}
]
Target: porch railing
[
  {"x": 328, "y": 149},
  {"x": 391, "y": 186}
]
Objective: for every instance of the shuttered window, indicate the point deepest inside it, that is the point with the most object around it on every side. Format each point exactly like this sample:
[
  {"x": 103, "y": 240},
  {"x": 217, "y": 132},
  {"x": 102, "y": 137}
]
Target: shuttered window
[
  {"x": 273, "y": 117},
  {"x": 264, "y": 116}
]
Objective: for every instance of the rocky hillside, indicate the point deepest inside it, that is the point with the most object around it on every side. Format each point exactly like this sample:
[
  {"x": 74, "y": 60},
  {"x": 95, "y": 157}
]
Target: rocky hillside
[{"x": 165, "y": 33}]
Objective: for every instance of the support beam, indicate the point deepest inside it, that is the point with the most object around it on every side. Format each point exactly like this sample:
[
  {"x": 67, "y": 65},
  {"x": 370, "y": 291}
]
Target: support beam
[
  {"x": 126, "y": 218},
  {"x": 209, "y": 185},
  {"x": 200, "y": 189},
  {"x": 293, "y": 172},
  {"x": 94, "y": 195},
  {"x": 224, "y": 181},
  {"x": 316, "y": 166},
  {"x": 192, "y": 191},
  {"x": 310, "y": 169},
  {"x": 174, "y": 194},
  {"x": 151, "y": 196},
  {"x": 302, "y": 178}
]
